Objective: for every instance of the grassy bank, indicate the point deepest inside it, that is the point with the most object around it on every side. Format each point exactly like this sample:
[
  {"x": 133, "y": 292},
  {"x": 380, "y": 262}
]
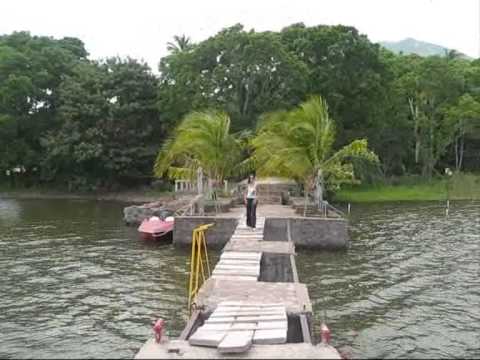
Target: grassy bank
[{"x": 461, "y": 187}]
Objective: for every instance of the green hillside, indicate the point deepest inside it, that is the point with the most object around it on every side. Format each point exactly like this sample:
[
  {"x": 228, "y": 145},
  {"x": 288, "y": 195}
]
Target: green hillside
[{"x": 413, "y": 46}]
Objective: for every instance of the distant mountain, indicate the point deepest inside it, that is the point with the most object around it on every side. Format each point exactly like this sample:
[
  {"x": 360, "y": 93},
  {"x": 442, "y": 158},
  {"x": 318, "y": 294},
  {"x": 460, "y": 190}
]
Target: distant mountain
[{"x": 413, "y": 46}]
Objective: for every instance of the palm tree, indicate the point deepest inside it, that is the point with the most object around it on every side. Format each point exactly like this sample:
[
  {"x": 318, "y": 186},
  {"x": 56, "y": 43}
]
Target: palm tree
[
  {"x": 179, "y": 44},
  {"x": 299, "y": 144},
  {"x": 201, "y": 141}
]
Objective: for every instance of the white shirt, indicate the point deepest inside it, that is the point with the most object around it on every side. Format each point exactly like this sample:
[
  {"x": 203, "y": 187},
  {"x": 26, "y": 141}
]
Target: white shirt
[{"x": 252, "y": 191}]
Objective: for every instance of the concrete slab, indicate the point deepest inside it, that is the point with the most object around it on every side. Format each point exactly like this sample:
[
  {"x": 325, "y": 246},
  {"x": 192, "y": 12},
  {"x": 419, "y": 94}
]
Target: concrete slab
[
  {"x": 250, "y": 237},
  {"x": 293, "y": 296},
  {"x": 277, "y": 317},
  {"x": 246, "y": 313},
  {"x": 238, "y": 266},
  {"x": 270, "y": 337},
  {"x": 235, "y": 277},
  {"x": 242, "y": 305},
  {"x": 237, "y": 309},
  {"x": 236, "y": 342},
  {"x": 247, "y": 234},
  {"x": 247, "y": 228},
  {"x": 264, "y": 325},
  {"x": 233, "y": 272},
  {"x": 243, "y": 228},
  {"x": 232, "y": 303},
  {"x": 152, "y": 350},
  {"x": 216, "y": 320},
  {"x": 237, "y": 272},
  {"x": 274, "y": 247},
  {"x": 259, "y": 318},
  {"x": 238, "y": 262},
  {"x": 215, "y": 326},
  {"x": 251, "y": 255},
  {"x": 207, "y": 338},
  {"x": 243, "y": 326}
]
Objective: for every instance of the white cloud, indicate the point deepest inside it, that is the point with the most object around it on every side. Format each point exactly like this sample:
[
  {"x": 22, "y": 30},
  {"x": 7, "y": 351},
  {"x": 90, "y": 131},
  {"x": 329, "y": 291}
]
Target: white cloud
[{"x": 142, "y": 28}]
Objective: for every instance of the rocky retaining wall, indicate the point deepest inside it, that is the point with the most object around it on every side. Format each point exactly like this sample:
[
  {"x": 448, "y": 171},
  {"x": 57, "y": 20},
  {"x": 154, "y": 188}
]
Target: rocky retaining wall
[
  {"x": 322, "y": 233},
  {"x": 217, "y": 236}
]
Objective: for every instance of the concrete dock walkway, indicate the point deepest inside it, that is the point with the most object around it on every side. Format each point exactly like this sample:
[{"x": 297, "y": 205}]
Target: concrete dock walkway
[{"x": 253, "y": 306}]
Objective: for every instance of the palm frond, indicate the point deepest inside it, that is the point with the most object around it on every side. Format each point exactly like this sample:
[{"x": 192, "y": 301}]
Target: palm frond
[
  {"x": 202, "y": 139},
  {"x": 299, "y": 144}
]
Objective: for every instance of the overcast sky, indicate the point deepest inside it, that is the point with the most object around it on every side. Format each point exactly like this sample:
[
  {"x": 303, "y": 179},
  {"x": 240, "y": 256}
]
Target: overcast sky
[{"x": 141, "y": 28}]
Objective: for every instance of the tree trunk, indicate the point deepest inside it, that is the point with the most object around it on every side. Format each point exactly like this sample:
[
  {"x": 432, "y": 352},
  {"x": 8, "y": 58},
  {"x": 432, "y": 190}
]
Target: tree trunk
[
  {"x": 414, "y": 113},
  {"x": 319, "y": 190},
  {"x": 457, "y": 161},
  {"x": 462, "y": 147},
  {"x": 305, "y": 192}
]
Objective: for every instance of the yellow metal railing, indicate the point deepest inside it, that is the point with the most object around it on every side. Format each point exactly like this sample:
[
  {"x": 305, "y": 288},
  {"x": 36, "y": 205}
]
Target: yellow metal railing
[{"x": 199, "y": 264}]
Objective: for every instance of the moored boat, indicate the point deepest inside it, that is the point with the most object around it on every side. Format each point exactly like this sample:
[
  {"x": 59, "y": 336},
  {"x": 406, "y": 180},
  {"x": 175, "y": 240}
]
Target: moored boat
[{"x": 155, "y": 228}]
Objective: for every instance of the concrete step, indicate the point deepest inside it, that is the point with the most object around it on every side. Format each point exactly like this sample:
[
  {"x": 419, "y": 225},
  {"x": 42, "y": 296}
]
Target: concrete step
[
  {"x": 241, "y": 255},
  {"x": 237, "y": 262},
  {"x": 236, "y": 342},
  {"x": 235, "y": 273},
  {"x": 207, "y": 338},
  {"x": 242, "y": 313},
  {"x": 251, "y": 238},
  {"x": 246, "y": 268},
  {"x": 248, "y": 233},
  {"x": 248, "y": 304},
  {"x": 235, "y": 277},
  {"x": 270, "y": 336}
]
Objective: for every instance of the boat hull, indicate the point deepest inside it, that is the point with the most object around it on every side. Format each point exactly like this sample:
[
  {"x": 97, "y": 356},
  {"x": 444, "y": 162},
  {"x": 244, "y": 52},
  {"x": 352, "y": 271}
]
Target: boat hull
[
  {"x": 156, "y": 229},
  {"x": 165, "y": 237}
]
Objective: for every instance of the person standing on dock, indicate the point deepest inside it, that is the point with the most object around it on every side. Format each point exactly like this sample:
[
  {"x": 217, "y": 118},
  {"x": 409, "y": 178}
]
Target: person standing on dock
[{"x": 251, "y": 201}]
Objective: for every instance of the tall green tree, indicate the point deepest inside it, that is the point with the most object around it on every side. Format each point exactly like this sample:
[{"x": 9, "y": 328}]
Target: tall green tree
[
  {"x": 202, "y": 140},
  {"x": 245, "y": 73},
  {"x": 427, "y": 88},
  {"x": 31, "y": 71},
  {"x": 464, "y": 119},
  {"x": 110, "y": 126},
  {"x": 346, "y": 68},
  {"x": 299, "y": 144},
  {"x": 179, "y": 44}
]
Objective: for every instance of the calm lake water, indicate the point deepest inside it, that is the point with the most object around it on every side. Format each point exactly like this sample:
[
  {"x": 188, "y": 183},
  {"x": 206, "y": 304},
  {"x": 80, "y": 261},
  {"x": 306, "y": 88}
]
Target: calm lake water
[{"x": 75, "y": 282}]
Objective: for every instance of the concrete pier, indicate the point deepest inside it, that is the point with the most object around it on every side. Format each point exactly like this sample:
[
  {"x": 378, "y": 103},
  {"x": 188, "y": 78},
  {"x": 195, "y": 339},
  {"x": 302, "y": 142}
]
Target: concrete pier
[
  {"x": 281, "y": 224},
  {"x": 252, "y": 307}
]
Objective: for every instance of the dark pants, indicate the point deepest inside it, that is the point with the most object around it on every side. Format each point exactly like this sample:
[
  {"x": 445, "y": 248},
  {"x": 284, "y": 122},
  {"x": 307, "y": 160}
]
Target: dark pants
[{"x": 251, "y": 212}]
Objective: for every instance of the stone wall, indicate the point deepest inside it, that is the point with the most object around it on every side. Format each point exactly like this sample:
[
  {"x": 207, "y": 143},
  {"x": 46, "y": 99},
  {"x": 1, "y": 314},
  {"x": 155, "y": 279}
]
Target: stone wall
[
  {"x": 322, "y": 233},
  {"x": 217, "y": 236},
  {"x": 275, "y": 229},
  {"x": 276, "y": 268},
  {"x": 135, "y": 214}
]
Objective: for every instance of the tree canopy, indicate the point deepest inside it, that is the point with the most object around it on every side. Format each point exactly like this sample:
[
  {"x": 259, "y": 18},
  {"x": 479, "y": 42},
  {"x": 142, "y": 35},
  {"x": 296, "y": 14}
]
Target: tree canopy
[{"x": 88, "y": 124}]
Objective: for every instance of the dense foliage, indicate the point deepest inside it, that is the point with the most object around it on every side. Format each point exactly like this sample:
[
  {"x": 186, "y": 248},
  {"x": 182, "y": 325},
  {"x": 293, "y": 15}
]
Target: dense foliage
[
  {"x": 298, "y": 144},
  {"x": 202, "y": 141},
  {"x": 70, "y": 121}
]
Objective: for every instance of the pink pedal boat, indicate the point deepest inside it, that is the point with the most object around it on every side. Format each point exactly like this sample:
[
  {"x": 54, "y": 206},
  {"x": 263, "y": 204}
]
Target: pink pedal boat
[{"x": 154, "y": 228}]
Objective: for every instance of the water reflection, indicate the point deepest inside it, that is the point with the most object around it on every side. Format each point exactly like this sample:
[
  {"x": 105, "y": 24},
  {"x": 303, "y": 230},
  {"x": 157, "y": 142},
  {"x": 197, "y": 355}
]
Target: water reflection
[{"x": 9, "y": 211}]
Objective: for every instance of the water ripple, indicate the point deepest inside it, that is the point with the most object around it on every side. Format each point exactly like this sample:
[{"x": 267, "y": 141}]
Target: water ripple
[
  {"x": 83, "y": 288},
  {"x": 408, "y": 286}
]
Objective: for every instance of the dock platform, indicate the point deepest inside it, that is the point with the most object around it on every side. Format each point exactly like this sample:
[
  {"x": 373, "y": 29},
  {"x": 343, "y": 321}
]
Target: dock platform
[{"x": 252, "y": 307}]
